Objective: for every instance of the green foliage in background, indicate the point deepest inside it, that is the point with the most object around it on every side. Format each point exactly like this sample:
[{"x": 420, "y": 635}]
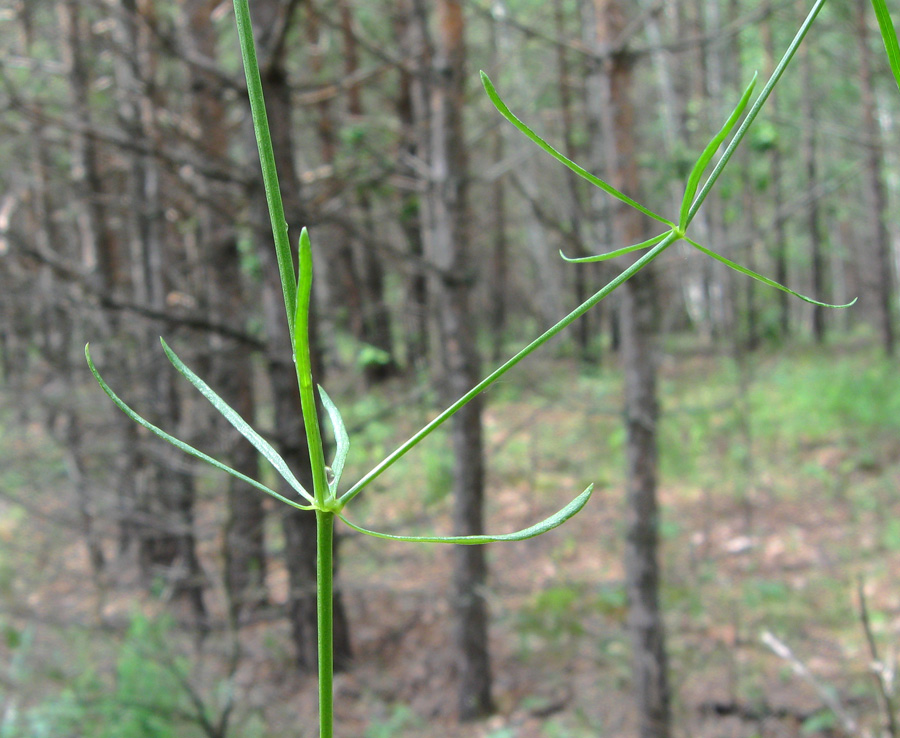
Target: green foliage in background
[{"x": 146, "y": 694}]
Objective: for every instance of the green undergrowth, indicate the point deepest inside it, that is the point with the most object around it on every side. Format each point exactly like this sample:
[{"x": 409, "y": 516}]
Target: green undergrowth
[
  {"x": 141, "y": 685},
  {"x": 810, "y": 417},
  {"x": 820, "y": 491}
]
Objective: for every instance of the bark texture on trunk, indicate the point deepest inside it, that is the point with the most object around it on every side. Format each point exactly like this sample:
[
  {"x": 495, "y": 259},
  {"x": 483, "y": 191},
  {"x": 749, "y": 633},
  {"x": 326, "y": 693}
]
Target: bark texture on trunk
[
  {"x": 229, "y": 361},
  {"x": 448, "y": 252},
  {"x": 875, "y": 185},
  {"x": 638, "y": 323},
  {"x": 815, "y": 231},
  {"x": 163, "y": 521}
]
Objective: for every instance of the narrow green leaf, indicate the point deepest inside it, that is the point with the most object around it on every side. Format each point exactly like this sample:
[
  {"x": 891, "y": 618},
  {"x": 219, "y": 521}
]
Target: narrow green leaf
[
  {"x": 765, "y": 280},
  {"x": 259, "y": 443},
  {"x": 618, "y": 252},
  {"x": 341, "y": 440},
  {"x": 303, "y": 287},
  {"x": 755, "y": 108},
  {"x": 889, "y": 35},
  {"x": 303, "y": 364},
  {"x": 181, "y": 444},
  {"x": 554, "y": 521},
  {"x": 579, "y": 170},
  {"x": 706, "y": 157}
]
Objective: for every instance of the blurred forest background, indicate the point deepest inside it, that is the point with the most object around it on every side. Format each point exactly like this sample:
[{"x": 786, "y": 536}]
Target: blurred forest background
[{"x": 143, "y": 596}]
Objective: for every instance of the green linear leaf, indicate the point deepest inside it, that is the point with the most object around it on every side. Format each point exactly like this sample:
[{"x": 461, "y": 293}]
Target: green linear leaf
[
  {"x": 341, "y": 440},
  {"x": 755, "y": 108},
  {"x": 303, "y": 288},
  {"x": 241, "y": 425},
  {"x": 618, "y": 252},
  {"x": 765, "y": 280},
  {"x": 181, "y": 444},
  {"x": 554, "y": 521},
  {"x": 889, "y": 35},
  {"x": 303, "y": 364},
  {"x": 694, "y": 178},
  {"x": 579, "y": 170}
]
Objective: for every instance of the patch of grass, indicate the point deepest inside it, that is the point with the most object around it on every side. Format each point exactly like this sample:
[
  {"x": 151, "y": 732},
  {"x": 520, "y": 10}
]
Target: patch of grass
[
  {"x": 815, "y": 398},
  {"x": 401, "y": 718}
]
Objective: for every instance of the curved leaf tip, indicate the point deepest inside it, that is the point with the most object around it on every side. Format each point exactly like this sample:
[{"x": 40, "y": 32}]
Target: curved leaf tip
[{"x": 554, "y": 521}]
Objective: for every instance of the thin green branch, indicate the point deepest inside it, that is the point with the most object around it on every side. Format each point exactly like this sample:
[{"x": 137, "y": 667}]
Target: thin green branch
[
  {"x": 618, "y": 252},
  {"x": 401, "y": 450},
  {"x": 341, "y": 441},
  {"x": 708, "y": 153},
  {"x": 765, "y": 280},
  {"x": 325, "y": 619},
  {"x": 266, "y": 158}
]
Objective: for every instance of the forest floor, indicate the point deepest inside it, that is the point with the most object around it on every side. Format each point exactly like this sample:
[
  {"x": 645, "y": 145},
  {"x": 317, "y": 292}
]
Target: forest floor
[{"x": 778, "y": 490}]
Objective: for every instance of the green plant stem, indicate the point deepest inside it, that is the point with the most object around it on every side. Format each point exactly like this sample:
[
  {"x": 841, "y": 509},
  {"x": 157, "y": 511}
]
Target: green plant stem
[
  {"x": 389, "y": 460},
  {"x": 266, "y": 157},
  {"x": 325, "y": 618},
  {"x": 754, "y": 111}
]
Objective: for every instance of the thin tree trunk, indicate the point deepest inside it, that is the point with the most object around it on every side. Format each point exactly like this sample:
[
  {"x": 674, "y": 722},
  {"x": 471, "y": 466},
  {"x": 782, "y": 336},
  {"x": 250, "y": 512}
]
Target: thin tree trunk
[
  {"x": 230, "y": 363},
  {"x": 500, "y": 246},
  {"x": 376, "y": 317},
  {"x": 874, "y": 179},
  {"x": 813, "y": 220},
  {"x": 638, "y": 320},
  {"x": 599, "y": 224},
  {"x": 346, "y": 280},
  {"x": 779, "y": 243},
  {"x": 410, "y": 30},
  {"x": 167, "y": 544},
  {"x": 575, "y": 215},
  {"x": 99, "y": 249},
  {"x": 448, "y": 251}
]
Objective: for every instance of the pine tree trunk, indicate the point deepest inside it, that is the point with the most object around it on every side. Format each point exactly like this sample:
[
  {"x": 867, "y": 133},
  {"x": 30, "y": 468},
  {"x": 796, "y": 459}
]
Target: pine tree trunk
[
  {"x": 779, "y": 243},
  {"x": 411, "y": 33},
  {"x": 167, "y": 547},
  {"x": 229, "y": 361},
  {"x": 638, "y": 322},
  {"x": 875, "y": 185},
  {"x": 448, "y": 252},
  {"x": 376, "y": 316},
  {"x": 813, "y": 220}
]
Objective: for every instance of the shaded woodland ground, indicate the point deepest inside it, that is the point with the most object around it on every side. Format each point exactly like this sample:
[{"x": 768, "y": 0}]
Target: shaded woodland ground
[{"x": 779, "y": 478}]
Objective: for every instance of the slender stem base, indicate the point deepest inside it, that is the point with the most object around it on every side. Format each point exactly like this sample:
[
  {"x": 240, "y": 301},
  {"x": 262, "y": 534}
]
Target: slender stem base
[{"x": 324, "y": 609}]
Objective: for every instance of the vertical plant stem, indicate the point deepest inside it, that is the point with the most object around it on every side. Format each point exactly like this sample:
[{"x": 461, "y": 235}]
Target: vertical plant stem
[
  {"x": 325, "y": 593},
  {"x": 266, "y": 157}
]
